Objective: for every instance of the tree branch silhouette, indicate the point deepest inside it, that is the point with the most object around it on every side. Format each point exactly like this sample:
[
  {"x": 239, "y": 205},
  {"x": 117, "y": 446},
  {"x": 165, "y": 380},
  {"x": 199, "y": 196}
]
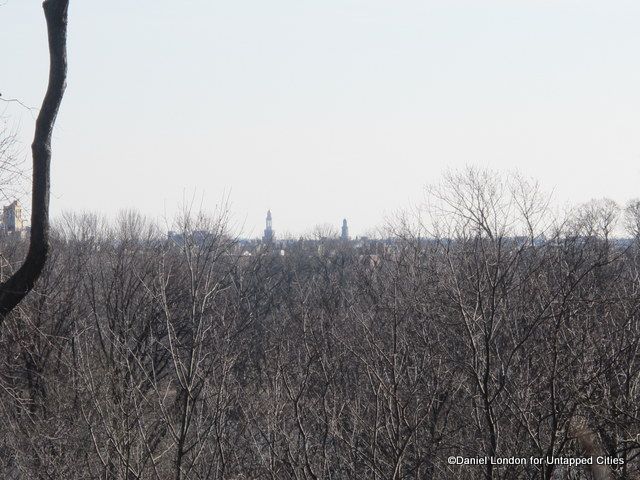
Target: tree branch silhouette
[{"x": 22, "y": 281}]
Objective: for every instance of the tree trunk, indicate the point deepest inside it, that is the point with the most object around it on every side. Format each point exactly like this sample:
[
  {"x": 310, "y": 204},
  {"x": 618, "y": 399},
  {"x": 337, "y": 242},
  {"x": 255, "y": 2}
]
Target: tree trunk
[{"x": 21, "y": 282}]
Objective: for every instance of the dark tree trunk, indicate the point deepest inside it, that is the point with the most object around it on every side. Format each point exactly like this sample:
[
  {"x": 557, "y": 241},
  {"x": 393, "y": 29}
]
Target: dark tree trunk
[{"x": 21, "y": 282}]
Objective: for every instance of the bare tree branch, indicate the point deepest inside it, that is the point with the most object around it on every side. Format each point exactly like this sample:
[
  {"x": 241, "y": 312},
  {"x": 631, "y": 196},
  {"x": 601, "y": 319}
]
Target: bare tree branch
[{"x": 21, "y": 283}]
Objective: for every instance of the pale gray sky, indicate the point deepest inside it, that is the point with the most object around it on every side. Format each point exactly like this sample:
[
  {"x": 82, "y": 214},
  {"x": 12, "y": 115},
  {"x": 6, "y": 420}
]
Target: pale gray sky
[{"x": 327, "y": 109}]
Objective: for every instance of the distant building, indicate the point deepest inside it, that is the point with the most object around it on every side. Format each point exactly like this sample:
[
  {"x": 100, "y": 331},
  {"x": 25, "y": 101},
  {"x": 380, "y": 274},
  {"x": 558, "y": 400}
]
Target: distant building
[
  {"x": 345, "y": 230},
  {"x": 269, "y": 234},
  {"x": 12, "y": 218}
]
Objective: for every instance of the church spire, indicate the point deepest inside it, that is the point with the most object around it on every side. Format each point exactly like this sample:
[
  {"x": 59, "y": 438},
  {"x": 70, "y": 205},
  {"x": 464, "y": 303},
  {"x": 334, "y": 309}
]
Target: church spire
[
  {"x": 269, "y": 234},
  {"x": 345, "y": 230}
]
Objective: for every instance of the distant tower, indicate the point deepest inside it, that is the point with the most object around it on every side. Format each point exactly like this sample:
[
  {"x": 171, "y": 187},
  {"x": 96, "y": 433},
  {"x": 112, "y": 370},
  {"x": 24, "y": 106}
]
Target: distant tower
[
  {"x": 12, "y": 217},
  {"x": 269, "y": 234},
  {"x": 345, "y": 230}
]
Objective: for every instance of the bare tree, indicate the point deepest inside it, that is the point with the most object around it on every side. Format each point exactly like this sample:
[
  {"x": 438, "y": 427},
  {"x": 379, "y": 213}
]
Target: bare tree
[
  {"x": 22, "y": 281},
  {"x": 632, "y": 218},
  {"x": 10, "y": 164}
]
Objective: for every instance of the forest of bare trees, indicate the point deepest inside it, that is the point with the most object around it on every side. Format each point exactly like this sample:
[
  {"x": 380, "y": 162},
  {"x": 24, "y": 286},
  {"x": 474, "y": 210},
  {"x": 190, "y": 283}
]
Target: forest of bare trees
[{"x": 484, "y": 327}]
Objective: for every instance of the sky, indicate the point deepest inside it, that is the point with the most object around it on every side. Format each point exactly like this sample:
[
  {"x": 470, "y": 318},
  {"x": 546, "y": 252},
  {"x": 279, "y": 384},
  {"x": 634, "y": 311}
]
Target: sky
[{"x": 326, "y": 109}]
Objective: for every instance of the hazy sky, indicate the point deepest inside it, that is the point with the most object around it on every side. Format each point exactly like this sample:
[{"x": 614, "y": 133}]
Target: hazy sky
[{"x": 327, "y": 109}]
